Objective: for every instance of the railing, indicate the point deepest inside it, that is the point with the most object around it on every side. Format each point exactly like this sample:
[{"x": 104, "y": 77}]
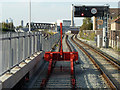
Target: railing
[{"x": 16, "y": 47}]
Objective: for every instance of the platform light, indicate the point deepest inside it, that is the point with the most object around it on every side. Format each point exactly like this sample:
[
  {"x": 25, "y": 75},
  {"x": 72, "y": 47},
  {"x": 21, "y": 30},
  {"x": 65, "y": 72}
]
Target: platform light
[{"x": 82, "y": 14}]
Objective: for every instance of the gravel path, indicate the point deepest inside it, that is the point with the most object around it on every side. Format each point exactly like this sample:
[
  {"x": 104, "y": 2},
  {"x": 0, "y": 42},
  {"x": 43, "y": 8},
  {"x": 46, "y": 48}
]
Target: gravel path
[{"x": 87, "y": 76}]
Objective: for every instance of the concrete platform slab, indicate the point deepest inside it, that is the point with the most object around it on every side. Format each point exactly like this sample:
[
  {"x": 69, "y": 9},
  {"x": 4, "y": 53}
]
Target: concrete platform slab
[{"x": 9, "y": 80}]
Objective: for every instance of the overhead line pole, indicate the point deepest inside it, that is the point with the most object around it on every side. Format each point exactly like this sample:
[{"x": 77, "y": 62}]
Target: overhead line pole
[{"x": 29, "y": 15}]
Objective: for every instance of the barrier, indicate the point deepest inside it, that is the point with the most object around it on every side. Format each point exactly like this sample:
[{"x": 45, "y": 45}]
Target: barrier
[{"x": 16, "y": 47}]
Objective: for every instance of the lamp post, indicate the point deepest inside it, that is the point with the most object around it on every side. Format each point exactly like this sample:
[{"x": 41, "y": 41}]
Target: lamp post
[{"x": 29, "y": 15}]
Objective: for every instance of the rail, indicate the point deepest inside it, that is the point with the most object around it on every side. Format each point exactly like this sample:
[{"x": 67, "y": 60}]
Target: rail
[
  {"x": 107, "y": 57},
  {"x": 103, "y": 73}
]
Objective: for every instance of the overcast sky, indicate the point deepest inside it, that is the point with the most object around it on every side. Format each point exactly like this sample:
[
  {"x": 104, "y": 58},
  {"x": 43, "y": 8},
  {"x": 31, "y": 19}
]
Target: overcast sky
[{"x": 44, "y": 10}]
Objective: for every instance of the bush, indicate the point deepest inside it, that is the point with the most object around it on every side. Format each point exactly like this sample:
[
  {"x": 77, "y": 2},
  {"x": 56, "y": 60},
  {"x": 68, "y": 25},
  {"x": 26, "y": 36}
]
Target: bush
[
  {"x": 87, "y": 25},
  {"x": 90, "y": 36},
  {"x": 8, "y": 30}
]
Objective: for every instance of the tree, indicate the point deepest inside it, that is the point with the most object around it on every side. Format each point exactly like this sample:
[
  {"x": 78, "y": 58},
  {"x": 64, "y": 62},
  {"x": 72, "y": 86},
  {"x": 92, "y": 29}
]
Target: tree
[
  {"x": 19, "y": 26},
  {"x": 87, "y": 25},
  {"x": 7, "y": 26}
]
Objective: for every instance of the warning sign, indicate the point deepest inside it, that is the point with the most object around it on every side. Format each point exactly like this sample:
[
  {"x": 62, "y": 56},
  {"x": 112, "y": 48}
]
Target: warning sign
[{"x": 100, "y": 22}]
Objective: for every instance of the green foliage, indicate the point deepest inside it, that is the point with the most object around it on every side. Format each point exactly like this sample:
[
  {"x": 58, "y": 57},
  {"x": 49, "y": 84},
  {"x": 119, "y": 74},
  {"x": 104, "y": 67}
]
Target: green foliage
[
  {"x": 87, "y": 25},
  {"x": 90, "y": 36},
  {"x": 117, "y": 48},
  {"x": 51, "y": 33},
  {"x": 7, "y": 27},
  {"x": 19, "y": 26},
  {"x": 81, "y": 33},
  {"x": 7, "y": 30}
]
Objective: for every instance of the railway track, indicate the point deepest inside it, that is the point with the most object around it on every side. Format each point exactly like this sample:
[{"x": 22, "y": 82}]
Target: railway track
[
  {"x": 109, "y": 58},
  {"x": 108, "y": 68},
  {"x": 60, "y": 76}
]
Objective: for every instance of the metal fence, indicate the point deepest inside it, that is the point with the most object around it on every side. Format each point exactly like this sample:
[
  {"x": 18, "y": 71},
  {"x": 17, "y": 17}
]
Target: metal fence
[{"x": 16, "y": 47}]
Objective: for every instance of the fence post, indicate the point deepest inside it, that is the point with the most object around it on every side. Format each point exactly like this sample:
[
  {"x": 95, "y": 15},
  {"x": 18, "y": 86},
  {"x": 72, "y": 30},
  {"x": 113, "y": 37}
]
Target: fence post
[
  {"x": 40, "y": 41},
  {"x": 18, "y": 49},
  {"x": 5, "y": 53},
  {"x": 33, "y": 42},
  {"x": 36, "y": 38},
  {"x": 21, "y": 46},
  {"x": 24, "y": 48},
  {"x": 1, "y": 55},
  {"x": 10, "y": 60},
  {"x": 26, "y": 44},
  {"x": 49, "y": 43},
  {"x": 30, "y": 44},
  {"x": 38, "y": 46},
  {"x": 43, "y": 43}
]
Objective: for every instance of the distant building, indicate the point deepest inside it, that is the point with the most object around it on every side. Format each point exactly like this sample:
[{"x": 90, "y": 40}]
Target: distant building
[
  {"x": 65, "y": 23},
  {"x": 74, "y": 30},
  {"x": 6, "y": 20},
  {"x": 115, "y": 24},
  {"x": 22, "y": 23},
  {"x": 21, "y": 29},
  {"x": 10, "y": 20},
  {"x": 47, "y": 26},
  {"x": 114, "y": 14}
]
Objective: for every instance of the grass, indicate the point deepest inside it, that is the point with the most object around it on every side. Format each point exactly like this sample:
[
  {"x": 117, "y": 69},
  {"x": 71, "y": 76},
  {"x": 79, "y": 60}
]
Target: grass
[
  {"x": 117, "y": 49},
  {"x": 86, "y": 38},
  {"x": 91, "y": 36},
  {"x": 51, "y": 33}
]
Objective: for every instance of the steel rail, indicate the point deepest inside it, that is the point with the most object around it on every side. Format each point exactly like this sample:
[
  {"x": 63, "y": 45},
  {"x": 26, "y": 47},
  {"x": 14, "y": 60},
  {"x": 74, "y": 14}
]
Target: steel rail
[
  {"x": 66, "y": 40},
  {"x": 44, "y": 81},
  {"x": 72, "y": 76},
  {"x": 108, "y": 58},
  {"x": 105, "y": 76}
]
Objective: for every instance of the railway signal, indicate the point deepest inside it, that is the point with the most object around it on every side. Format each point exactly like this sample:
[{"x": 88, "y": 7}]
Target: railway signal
[
  {"x": 89, "y": 11},
  {"x": 82, "y": 14}
]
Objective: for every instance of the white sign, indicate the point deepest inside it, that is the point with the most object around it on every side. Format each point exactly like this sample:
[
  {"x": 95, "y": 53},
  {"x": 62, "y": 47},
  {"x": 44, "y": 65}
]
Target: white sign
[{"x": 93, "y": 10}]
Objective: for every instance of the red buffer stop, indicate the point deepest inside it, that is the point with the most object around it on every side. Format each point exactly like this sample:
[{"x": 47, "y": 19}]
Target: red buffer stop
[{"x": 61, "y": 56}]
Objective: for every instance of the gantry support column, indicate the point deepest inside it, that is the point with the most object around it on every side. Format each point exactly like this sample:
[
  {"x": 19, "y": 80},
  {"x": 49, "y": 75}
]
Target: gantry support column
[
  {"x": 72, "y": 15},
  {"x": 105, "y": 30},
  {"x": 94, "y": 23}
]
